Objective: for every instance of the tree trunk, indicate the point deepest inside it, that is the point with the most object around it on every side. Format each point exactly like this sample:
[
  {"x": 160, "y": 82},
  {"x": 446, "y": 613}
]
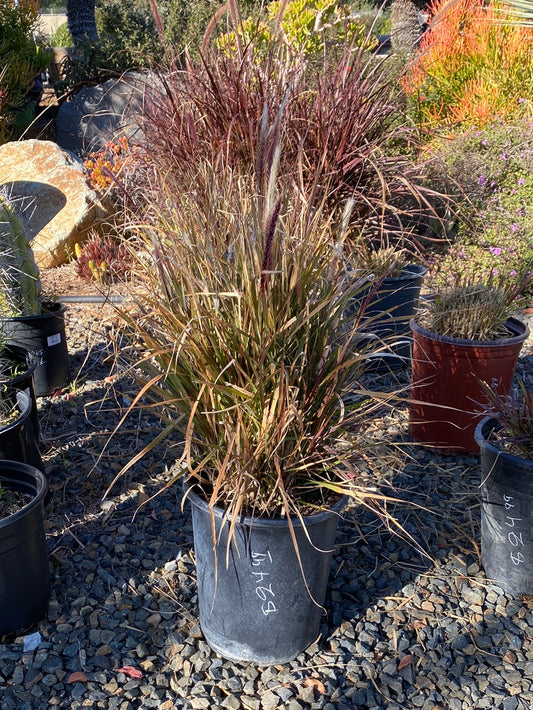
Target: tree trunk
[{"x": 81, "y": 20}]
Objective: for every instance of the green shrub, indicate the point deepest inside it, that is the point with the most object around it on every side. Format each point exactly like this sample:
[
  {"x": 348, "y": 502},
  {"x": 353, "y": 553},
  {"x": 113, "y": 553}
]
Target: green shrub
[
  {"x": 307, "y": 27},
  {"x": 131, "y": 28},
  {"x": 62, "y": 37},
  {"x": 21, "y": 60},
  {"x": 185, "y": 21}
]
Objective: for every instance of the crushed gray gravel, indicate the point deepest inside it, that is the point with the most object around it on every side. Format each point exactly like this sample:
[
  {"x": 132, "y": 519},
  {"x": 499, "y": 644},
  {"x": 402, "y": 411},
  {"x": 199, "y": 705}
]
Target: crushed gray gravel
[{"x": 402, "y": 630}]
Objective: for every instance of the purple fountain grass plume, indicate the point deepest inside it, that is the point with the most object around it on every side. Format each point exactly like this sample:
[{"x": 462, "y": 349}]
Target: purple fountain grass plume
[
  {"x": 270, "y": 230},
  {"x": 158, "y": 21}
]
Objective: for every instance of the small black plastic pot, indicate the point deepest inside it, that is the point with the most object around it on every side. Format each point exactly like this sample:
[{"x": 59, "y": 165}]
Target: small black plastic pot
[
  {"x": 387, "y": 315},
  {"x": 24, "y": 380},
  {"x": 506, "y": 514},
  {"x": 24, "y": 570},
  {"x": 44, "y": 337},
  {"x": 18, "y": 441},
  {"x": 260, "y": 607}
]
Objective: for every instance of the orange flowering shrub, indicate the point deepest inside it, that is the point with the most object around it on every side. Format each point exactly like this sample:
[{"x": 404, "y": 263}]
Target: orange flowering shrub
[
  {"x": 104, "y": 166},
  {"x": 472, "y": 68}
]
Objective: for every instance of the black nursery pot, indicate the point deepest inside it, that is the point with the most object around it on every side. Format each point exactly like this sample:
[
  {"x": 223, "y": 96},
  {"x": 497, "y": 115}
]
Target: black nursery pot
[
  {"x": 24, "y": 571},
  {"x": 258, "y": 607},
  {"x": 44, "y": 337},
  {"x": 506, "y": 514},
  {"x": 18, "y": 441},
  {"x": 387, "y": 317},
  {"x": 24, "y": 381}
]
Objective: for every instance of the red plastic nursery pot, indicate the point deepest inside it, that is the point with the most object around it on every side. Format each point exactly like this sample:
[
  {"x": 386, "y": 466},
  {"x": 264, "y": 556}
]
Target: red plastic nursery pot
[{"x": 445, "y": 383}]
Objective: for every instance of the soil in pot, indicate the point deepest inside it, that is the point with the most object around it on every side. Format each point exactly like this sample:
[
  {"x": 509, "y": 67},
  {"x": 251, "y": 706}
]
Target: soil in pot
[
  {"x": 11, "y": 502},
  {"x": 17, "y": 367}
]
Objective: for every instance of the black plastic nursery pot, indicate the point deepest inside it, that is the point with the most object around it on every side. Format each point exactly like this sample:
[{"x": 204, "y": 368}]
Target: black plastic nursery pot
[
  {"x": 387, "y": 317},
  {"x": 44, "y": 337},
  {"x": 24, "y": 571},
  {"x": 24, "y": 380},
  {"x": 506, "y": 514},
  {"x": 258, "y": 607},
  {"x": 18, "y": 441}
]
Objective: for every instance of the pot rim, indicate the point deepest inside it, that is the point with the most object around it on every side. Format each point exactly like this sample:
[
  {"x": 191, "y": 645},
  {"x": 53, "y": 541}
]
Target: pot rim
[
  {"x": 513, "y": 324},
  {"x": 24, "y": 408},
  {"x": 40, "y": 487},
  {"x": 29, "y": 360},
  {"x": 410, "y": 271},
  {"x": 252, "y": 521},
  {"x": 52, "y": 308},
  {"x": 482, "y": 432}
]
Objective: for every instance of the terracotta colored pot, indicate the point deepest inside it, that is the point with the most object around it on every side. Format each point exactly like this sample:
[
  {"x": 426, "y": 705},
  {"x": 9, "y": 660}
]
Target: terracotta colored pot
[{"x": 446, "y": 395}]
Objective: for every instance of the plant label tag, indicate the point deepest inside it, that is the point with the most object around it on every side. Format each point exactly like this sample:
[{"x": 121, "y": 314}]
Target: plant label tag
[{"x": 53, "y": 339}]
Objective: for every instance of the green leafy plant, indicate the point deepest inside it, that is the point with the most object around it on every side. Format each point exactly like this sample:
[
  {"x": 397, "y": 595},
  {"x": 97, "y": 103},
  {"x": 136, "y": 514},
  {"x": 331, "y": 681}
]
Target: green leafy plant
[
  {"x": 514, "y": 413},
  {"x": 20, "y": 292},
  {"x": 8, "y": 406},
  {"x": 62, "y": 37},
  {"x": 302, "y": 27},
  {"x": 8, "y": 369},
  {"x": 185, "y": 22},
  {"x": 7, "y": 500},
  {"x": 21, "y": 59}
]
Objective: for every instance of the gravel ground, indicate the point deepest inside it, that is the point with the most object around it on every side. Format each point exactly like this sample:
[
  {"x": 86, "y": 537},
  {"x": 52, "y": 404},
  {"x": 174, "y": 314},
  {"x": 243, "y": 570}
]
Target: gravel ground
[{"x": 403, "y": 630}]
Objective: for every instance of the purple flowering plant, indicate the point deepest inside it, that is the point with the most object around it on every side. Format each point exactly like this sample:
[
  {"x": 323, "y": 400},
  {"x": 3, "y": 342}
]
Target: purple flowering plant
[{"x": 492, "y": 170}]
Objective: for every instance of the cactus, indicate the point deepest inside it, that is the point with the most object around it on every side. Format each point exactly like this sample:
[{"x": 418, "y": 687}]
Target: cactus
[{"x": 20, "y": 284}]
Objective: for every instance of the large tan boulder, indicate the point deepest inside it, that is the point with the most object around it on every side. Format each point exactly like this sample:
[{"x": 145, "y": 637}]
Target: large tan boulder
[{"x": 62, "y": 207}]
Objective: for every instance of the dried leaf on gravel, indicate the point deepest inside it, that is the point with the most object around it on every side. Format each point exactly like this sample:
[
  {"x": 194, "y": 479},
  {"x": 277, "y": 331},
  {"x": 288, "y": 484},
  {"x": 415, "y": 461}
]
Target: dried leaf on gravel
[
  {"x": 419, "y": 624},
  {"x": 77, "y": 677},
  {"x": 130, "y": 671},
  {"x": 405, "y": 661},
  {"x": 316, "y": 684}
]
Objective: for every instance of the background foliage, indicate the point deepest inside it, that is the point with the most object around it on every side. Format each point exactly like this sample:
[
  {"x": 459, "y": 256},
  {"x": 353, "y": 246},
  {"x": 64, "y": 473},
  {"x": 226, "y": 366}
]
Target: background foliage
[
  {"x": 20, "y": 60},
  {"x": 491, "y": 170},
  {"x": 472, "y": 67}
]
